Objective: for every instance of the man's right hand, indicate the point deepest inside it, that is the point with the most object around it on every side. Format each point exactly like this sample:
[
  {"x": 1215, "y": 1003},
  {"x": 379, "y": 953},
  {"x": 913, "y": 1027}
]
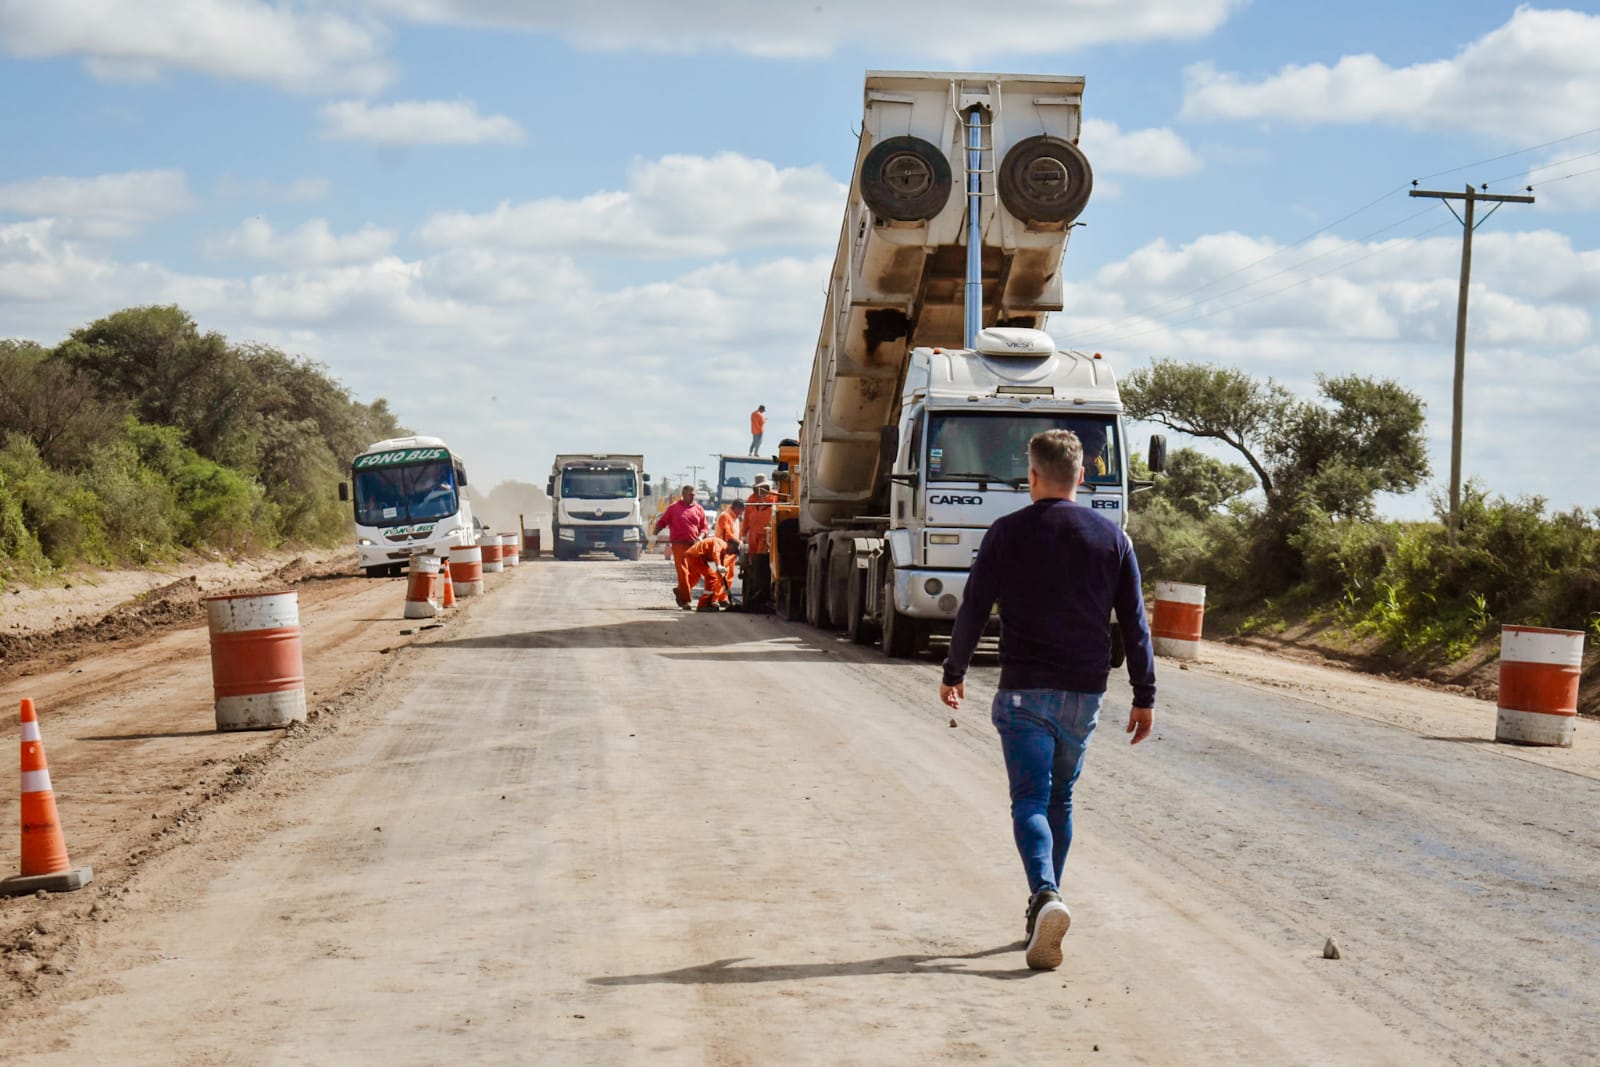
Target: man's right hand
[{"x": 1140, "y": 721}]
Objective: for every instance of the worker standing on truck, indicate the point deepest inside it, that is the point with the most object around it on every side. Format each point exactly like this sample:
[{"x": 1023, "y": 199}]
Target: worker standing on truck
[
  {"x": 1057, "y": 569},
  {"x": 711, "y": 559},
  {"x": 685, "y": 523},
  {"x": 758, "y": 426}
]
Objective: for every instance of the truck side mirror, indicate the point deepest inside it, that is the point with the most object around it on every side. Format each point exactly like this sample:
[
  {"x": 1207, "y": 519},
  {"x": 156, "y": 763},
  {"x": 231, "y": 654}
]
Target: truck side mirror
[
  {"x": 1158, "y": 453},
  {"x": 550, "y": 486},
  {"x": 344, "y": 491},
  {"x": 888, "y": 447}
]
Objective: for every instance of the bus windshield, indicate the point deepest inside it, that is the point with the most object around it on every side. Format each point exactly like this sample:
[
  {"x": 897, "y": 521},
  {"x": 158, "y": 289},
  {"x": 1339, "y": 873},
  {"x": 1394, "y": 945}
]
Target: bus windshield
[
  {"x": 995, "y": 447},
  {"x": 598, "y": 483},
  {"x": 417, "y": 492}
]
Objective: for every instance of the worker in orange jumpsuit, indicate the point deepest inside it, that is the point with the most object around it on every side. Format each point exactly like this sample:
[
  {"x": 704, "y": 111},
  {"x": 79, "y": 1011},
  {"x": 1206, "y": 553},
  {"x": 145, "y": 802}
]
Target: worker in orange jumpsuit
[
  {"x": 758, "y": 566},
  {"x": 729, "y": 528},
  {"x": 710, "y": 559},
  {"x": 685, "y": 523}
]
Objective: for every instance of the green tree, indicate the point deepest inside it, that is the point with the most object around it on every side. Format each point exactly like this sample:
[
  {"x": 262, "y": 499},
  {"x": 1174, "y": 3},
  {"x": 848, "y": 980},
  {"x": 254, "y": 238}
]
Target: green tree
[
  {"x": 1219, "y": 403},
  {"x": 54, "y": 405},
  {"x": 1198, "y": 485}
]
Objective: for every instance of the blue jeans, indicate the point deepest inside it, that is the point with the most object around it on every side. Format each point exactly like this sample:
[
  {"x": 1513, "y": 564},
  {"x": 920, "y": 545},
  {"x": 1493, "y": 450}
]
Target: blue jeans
[{"x": 1043, "y": 735}]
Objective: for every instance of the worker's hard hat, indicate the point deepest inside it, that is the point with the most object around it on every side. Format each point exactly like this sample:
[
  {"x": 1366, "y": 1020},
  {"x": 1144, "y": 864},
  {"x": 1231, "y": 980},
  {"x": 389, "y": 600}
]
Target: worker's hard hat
[{"x": 761, "y": 479}]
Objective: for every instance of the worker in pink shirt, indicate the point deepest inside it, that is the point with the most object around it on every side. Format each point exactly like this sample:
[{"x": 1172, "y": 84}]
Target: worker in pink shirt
[{"x": 685, "y": 523}]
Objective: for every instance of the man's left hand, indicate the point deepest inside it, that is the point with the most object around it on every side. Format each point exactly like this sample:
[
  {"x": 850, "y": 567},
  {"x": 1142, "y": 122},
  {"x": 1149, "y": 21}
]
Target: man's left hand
[
  {"x": 1140, "y": 720},
  {"x": 952, "y": 695}
]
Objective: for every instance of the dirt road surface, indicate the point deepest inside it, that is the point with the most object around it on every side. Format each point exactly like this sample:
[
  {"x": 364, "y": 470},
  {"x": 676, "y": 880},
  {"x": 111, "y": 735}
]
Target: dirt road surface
[{"x": 575, "y": 826}]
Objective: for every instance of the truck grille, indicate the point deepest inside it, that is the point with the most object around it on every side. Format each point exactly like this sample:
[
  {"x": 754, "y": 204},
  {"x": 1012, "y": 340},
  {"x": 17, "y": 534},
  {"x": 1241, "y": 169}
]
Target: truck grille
[{"x": 597, "y": 516}]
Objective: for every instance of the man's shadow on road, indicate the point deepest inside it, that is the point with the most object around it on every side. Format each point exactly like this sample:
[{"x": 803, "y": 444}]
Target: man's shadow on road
[{"x": 724, "y": 971}]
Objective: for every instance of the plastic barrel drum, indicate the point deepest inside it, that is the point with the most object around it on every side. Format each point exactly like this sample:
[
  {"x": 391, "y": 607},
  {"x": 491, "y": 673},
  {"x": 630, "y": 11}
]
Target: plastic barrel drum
[
  {"x": 510, "y": 550},
  {"x": 257, "y": 671},
  {"x": 492, "y": 559},
  {"x": 1539, "y": 669},
  {"x": 466, "y": 570},
  {"x": 421, "y": 597},
  {"x": 1180, "y": 610}
]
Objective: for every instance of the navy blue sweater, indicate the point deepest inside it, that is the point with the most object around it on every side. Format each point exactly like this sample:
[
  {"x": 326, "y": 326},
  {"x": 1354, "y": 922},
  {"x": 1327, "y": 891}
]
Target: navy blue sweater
[{"x": 1057, "y": 568}]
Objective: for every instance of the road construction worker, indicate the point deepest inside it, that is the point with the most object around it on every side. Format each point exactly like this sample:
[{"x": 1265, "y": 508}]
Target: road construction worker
[
  {"x": 758, "y": 567},
  {"x": 711, "y": 559},
  {"x": 758, "y": 426},
  {"x": 685, "y": 523},
  {"x": 729, "y": 528}
]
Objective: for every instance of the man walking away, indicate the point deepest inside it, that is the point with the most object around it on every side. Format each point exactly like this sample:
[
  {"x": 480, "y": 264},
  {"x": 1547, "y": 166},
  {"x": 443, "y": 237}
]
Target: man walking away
[
  {"x": 685, "y": 523},
  {"x": 758, "y": 426},
  {"x": 1058, "y": 569}
]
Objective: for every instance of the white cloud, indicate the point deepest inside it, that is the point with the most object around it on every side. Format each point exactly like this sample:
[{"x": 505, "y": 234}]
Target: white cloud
[
  {"x": 293, "y": 191},
  {"x": 1154, "y": 153},
  {"x": 105, "y": 206},
  {"x": 287, "y": 45},
  {"x": 942, "y": 29},
  {"x": 514, "y": 354},
  {"x": 416, "y": 122},
  {"x": 310, "y": 244},
  {"x": 674, "y": 206},
  {"x": 1532, "y": 76}
]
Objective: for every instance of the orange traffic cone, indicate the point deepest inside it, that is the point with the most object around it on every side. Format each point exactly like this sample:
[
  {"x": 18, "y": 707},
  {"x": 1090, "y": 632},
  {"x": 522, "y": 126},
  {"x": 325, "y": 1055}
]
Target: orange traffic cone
[
  {"x": 448, "y": 597},
  {"x": 44, "y": 849}
]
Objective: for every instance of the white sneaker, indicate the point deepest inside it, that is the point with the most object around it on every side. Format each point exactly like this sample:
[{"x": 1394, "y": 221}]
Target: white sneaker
[{"x": 1049, "y": 920}]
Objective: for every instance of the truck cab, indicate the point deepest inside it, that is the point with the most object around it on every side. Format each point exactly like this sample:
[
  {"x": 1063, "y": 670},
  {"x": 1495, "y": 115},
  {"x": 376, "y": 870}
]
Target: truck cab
[{"x": 597, "y": 504}]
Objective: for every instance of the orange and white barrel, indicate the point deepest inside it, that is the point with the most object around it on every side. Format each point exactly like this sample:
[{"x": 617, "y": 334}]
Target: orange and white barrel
[
  {"x": 422, "y": 597},
  {"x": 510, "y": 550},
  {"x": 257, "y": 673},
  {"x": 1180, "y": 611},
  {"x": 493, "y": 562},
  {"x": 466, "y": 570},
  {"x": 1539, "y": 669}
]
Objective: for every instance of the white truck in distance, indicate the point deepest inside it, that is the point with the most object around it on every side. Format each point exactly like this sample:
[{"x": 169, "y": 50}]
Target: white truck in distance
[
  {"x": 409, "y": 498},
  {"x": 932, "y": 369},
  {"x": 597, "y": 504}
]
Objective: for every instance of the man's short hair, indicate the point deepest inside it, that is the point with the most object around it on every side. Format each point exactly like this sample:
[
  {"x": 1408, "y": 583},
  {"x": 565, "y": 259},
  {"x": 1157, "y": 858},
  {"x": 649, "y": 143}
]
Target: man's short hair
[
  {"x": 737, "y": 505},
  {"x": 686, "y": 489},
  {"x": 1057, "y": 455},
  {"x": 733, "y": 546}
]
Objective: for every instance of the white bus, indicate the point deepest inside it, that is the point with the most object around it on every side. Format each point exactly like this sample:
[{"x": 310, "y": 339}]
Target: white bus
[{"x": 410, "y": 496}]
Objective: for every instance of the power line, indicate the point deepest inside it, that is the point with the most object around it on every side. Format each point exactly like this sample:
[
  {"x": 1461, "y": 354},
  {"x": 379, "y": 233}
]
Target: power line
[{"x": 1508, "y": 155}]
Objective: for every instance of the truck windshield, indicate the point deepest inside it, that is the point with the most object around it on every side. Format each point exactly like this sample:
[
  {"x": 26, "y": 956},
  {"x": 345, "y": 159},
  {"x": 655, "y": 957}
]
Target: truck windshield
[
  {"x": 995, "y": 447},
  {"x": 391, "y": 496},
  {"x": 737, "y": 477},
  {"x": 598, "y": 484}
]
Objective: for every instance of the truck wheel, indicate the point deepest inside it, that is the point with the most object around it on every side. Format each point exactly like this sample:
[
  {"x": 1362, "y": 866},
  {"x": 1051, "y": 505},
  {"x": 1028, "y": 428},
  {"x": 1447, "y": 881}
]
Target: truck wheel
[
  {"x": 631, "y": 553},
  {"x": 396, "y": 569},
  {"x": 376, "y": 572},
  {"x": 905, "y": 179},
  {"x": 816, "y": 589},
  {"x": 856, "y": 624},
  {"x": 1045, "y": 180},
  {"x": 791, "y": 600},
  {"x": 900, "y": 637}
]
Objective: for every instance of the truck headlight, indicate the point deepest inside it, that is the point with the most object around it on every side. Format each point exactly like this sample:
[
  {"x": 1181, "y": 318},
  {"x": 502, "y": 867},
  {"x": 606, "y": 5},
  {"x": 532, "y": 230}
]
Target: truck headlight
[
  {"x": 934, "y": 586},
  {"x": 631, "y": 534},
  {"x": 567, "y": 534},
  {"x": 944, "y": 539},
  {"x": 365, "y": 542}
]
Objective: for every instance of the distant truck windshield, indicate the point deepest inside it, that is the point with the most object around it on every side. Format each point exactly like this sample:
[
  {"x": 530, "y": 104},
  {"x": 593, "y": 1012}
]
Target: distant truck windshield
[
  {"x": 578, "y": 483},
  {"x": 392, "y": 496}
]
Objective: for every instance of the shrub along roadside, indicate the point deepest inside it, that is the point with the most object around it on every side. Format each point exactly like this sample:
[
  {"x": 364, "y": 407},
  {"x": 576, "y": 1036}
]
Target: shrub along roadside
[{"x": 139, "y": 436}]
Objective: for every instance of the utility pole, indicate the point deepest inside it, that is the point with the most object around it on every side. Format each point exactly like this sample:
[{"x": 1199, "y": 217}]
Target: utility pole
[
  {"x": 1471, "y": 197},
  {"x": 694, "y": 474}
]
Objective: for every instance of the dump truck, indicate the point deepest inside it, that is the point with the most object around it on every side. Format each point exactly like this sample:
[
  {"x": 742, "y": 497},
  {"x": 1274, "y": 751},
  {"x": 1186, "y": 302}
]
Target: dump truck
[
  {"x": 597, "y": 504},
  {"x": 932, "y": 368}
]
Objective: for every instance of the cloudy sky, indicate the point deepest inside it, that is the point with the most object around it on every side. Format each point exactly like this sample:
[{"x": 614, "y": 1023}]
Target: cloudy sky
[{"x": 539, "y": 227}]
